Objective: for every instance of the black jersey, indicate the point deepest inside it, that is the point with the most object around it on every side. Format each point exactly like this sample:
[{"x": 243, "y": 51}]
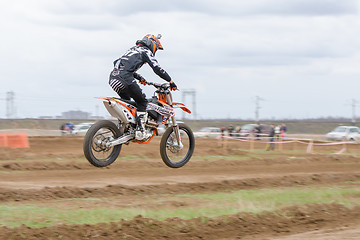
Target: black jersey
[{"x": 134, "y": 59}]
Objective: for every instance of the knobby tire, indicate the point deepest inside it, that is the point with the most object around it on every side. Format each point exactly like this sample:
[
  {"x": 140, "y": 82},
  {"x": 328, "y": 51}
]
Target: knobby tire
[
  {"x": 88, "y": 143},
  {"x": 190, "y": 150}
]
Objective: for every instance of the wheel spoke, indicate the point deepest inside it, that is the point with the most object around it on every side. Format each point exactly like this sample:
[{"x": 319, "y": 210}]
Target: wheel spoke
[
  {"x": 99, "y": 144},
  {"x": 97, "y": 149}
]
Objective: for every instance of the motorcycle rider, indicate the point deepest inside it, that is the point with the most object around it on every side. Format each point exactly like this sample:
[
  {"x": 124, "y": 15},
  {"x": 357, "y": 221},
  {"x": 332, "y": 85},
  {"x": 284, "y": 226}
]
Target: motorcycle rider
[{"x": 122, "y": 76}]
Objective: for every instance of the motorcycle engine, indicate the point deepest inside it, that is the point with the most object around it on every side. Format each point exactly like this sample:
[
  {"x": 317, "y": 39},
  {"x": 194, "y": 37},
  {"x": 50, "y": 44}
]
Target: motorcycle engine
[
  {"x": 149, "y": 132},
  {"x": 150, "y": 127}
]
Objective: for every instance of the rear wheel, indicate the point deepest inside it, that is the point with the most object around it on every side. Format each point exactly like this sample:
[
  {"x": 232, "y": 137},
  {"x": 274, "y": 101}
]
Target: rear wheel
[
  {"x": 172, "y": 154},
  {"x": 96, "y": 150}
]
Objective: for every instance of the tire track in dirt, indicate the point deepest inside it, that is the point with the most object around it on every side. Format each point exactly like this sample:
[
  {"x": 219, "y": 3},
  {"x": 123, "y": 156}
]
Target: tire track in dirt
[
  {"x": 226, "y": 185},
  {"x": 206, "y": 163}
]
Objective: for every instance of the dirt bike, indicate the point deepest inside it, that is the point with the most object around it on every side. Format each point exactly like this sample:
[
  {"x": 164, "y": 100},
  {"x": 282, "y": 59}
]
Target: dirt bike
[{"x": 103, "y": 140}]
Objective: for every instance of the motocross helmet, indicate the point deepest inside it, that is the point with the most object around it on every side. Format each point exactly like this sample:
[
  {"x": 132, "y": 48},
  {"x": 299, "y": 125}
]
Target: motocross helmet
[{"x": 151, "y": 42}]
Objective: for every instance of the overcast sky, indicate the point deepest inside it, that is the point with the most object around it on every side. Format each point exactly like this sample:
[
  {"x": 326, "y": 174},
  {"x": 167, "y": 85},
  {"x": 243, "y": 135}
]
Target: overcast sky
[{"x": 301, "y": 56}]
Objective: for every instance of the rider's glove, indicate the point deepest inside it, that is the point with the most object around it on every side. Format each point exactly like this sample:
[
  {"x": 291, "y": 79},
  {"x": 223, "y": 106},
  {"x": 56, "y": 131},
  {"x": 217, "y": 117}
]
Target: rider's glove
[
  {"x": 173, "y": 86},
  {"x": 143, "y": 81}
]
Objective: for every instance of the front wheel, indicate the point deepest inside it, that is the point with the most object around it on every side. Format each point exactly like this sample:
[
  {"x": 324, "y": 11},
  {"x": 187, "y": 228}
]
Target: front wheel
[
  {"x": 173, "y": 154},
  {"x": 96, "y": 150}
]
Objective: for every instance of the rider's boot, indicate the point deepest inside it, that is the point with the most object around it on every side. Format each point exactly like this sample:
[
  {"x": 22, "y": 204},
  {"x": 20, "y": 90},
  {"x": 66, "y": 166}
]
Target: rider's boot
[{"x": 140, "y": 127}]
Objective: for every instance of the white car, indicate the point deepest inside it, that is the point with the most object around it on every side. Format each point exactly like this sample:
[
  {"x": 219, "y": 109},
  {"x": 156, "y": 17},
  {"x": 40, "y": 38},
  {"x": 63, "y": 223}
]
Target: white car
[
  {"x": 81, "y": 129},
  {"x": 344, "y": 133},
  {"x": 208, "y": 132}
]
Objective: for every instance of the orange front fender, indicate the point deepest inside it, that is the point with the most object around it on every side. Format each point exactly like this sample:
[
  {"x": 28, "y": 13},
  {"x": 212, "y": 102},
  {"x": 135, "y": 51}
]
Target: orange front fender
[{"x": 182, "y": 106}]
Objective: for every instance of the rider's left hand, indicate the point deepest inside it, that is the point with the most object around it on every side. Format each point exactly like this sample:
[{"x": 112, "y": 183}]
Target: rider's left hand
[
  {"x": 143, "y": 81},
  {"x": 173, "y": 86}
]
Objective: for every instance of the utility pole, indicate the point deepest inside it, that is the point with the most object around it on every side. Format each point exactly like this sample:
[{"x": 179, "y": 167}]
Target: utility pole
[
  {"x": 192, "y": 93},
  {"x": 353, "y": 106},
  {"x": 257, "y": 108},
  {"x": 10, "y": 104}
]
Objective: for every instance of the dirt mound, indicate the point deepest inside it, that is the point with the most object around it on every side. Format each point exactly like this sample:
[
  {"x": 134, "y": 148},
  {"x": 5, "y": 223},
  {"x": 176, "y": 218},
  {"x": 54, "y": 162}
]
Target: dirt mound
[
  {"x": 267, "y": 225},
  {"x": 38, "y": 165},
  {"x": 207, "y": 162},
  {"x": 54, "y": 169}
]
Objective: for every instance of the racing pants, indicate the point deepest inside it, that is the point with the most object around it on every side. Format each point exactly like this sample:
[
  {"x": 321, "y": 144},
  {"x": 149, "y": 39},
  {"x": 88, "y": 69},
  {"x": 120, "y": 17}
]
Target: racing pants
[{"x": 128, "y": 88}]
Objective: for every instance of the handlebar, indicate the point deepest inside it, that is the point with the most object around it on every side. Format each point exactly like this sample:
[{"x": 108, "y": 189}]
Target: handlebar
[
  {"x": 159, "y": 85},
  {"x": 163, "y": 86}
]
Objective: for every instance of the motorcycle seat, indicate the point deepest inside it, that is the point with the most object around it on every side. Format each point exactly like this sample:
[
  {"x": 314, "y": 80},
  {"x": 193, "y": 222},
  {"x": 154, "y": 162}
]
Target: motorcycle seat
[
  {"x": 152, "y": 100},
  {"x": 128, "y": 101}
]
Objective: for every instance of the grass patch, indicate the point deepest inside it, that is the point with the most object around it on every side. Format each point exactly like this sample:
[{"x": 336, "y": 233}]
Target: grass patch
[
  {"x": 59, "y": 159},
  {"x": 36, "y": 217},
  {"x": 257, "y": 154},
  {"x": 352, "y": 182},
  {"x": 82, "y": 199},
  {"x": 208, "y": 205},
  {"x": 221, "y": 157},
  {"x": 131, "y": 157},
  {"x": 271, "y": 199}
]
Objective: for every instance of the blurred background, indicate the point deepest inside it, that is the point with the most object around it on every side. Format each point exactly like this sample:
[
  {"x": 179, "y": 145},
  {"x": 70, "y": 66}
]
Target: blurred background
[{"x": 230, "y": 59}]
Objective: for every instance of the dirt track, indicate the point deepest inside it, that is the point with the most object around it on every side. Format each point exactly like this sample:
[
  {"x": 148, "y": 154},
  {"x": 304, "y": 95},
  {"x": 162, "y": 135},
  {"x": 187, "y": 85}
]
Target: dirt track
[{"x": 53, "y": 168}]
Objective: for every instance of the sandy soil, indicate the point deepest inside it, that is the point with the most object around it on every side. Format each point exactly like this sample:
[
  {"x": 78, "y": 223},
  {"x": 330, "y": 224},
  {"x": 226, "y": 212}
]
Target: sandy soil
[{"x": 53, "y": 169}]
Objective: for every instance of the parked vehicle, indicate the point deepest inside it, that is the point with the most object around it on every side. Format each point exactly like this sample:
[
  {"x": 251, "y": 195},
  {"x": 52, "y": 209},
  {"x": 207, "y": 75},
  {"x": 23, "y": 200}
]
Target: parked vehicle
[
  {"x": 81, "y": 128},
  {"x": 250, "y": 129},
  {"x": 208, "y": 132},
  {"x": 344, "y": 133},
  {"x": 66, "y": 128}
]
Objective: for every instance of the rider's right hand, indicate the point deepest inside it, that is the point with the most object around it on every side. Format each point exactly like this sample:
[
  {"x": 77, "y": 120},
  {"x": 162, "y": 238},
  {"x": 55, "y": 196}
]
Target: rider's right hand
[{"x": 173, "y": 86}]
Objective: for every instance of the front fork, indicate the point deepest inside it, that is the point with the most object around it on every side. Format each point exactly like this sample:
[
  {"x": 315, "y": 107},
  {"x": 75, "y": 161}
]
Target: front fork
[
  {"x": 174, "y": 123},
  {"x": 177, "y": 133}
]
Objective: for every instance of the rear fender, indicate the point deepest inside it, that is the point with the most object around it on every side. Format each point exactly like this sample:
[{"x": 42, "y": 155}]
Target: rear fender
[{"x": 128, "y": 111}]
